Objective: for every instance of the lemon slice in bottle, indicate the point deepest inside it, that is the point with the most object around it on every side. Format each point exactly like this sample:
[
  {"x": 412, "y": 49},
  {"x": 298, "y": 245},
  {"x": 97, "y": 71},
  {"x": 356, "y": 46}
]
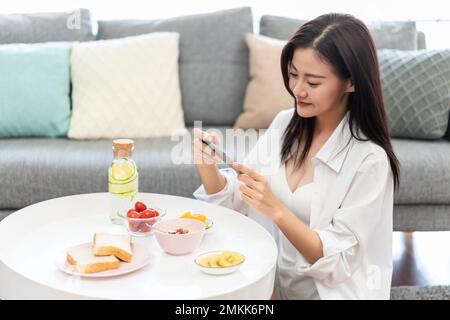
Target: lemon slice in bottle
[{"x": 123, "y": 170}]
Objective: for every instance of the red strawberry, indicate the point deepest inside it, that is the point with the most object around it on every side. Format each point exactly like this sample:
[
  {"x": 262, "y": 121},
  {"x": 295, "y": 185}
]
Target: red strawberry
[
  {"x": 132, "y": 214},
  {"x": 140, "y": 206},
  {"x": 144, "y": 227}
]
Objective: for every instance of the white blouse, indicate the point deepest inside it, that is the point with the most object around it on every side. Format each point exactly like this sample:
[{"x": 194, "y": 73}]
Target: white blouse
[
  {"x": 289, "y": 284},
  {"x": 351, "y": 210}
]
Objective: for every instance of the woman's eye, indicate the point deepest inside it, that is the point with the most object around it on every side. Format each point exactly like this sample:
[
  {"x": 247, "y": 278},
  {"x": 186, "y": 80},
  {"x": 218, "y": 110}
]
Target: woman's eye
[
  {"x": 313, "y": 84},
  {"x": 293, "y": 75}
]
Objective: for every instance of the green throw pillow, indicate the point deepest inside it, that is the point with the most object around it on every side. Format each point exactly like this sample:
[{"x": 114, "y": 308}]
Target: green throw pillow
[
  {"x": 416, "y": 91},
  {"x": 35, "y": 89}
]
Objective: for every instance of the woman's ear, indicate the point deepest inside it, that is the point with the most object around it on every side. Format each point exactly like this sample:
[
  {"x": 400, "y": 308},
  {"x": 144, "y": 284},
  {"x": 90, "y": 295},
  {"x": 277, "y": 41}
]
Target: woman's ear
[{"x": 349, "y": 86}]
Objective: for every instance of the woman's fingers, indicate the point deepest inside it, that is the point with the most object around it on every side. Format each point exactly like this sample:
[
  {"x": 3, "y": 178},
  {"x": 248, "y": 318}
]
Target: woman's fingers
[
  {"x": 250, "y": 172},
  {"x": 204, "y": 154},
  {"x": 248, "y": 181},
  {"x": 204, "y": 148},
  {"x": 251, "y": 193},
  {"x": 249, "y": 200},
  {"x": 213, "y": 137}
]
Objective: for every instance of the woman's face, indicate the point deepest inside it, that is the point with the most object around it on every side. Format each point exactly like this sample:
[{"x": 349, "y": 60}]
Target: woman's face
[{"x": 317, "y": 89}]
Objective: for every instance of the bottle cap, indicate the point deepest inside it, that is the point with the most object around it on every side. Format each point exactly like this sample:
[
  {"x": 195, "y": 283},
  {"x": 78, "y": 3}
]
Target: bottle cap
[{"x": 123, "y": 147}]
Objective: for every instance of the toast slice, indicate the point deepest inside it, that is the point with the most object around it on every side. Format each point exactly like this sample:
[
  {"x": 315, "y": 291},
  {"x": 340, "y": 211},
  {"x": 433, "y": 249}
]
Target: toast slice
[
  {"x": 85, "y": 261},
  {"x": 119, "y": 245}
]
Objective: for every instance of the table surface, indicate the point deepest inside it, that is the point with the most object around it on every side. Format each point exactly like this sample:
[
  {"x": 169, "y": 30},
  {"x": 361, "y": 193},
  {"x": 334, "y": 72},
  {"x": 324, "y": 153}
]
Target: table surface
[{"x": 31, "y": 238}]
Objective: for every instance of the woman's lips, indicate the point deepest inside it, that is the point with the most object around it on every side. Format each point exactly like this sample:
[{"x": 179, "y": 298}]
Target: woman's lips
[{"x": 303, "y": 104}]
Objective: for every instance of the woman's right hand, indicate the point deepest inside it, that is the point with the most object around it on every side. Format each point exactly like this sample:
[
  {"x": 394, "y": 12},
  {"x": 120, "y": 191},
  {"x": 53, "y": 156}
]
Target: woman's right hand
[{"x": 203, "y": 155}]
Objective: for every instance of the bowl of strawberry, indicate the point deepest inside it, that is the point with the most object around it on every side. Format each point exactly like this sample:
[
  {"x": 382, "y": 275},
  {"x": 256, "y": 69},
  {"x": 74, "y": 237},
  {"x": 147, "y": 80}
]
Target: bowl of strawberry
[{"x": 141, "y": 218}]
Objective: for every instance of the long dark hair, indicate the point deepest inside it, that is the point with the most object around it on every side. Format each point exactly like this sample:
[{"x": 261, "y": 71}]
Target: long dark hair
[{"x": 346, "y": 43}]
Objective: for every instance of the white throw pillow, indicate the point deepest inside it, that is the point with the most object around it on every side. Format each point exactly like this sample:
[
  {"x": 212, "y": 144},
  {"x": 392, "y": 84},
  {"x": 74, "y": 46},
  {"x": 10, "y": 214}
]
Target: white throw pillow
[{"x": 126, "y": 87}]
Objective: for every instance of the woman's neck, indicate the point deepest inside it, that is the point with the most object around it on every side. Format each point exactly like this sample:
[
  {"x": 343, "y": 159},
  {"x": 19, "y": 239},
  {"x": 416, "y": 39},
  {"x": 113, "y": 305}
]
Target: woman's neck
[{"x": 326, "y": 123}]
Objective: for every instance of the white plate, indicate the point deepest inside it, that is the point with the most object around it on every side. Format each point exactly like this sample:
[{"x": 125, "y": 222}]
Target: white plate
[
  {"x": 221, "y": 270},
  {"x": 141, "y": 257}
]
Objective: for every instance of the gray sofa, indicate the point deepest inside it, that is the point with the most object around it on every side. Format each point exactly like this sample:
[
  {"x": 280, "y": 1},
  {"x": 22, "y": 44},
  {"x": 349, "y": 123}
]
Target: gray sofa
[{"x": 36, "y": 169}]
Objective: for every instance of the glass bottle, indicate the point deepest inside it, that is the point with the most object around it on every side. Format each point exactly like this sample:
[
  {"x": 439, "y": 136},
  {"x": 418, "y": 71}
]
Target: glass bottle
[{"x": 123, "y": 180}]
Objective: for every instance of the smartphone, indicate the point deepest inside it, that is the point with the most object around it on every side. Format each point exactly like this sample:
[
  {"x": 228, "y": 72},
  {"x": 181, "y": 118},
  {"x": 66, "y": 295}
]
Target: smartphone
[{"x": 223, "y": 156}]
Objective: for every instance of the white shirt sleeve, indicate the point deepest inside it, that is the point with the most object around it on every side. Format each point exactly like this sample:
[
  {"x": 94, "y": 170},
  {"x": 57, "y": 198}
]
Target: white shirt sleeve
[
  {"x": 228, "y": 197},
  {"x": 363, "y": 211}
]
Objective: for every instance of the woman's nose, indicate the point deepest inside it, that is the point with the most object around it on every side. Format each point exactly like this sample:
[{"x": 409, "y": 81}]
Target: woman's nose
[{"x": 299, "y": 91}]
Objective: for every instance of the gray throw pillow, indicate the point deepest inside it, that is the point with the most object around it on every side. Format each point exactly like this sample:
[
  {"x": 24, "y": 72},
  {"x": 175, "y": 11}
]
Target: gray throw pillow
[
  {"x": 400, "y": 35},
  {"x": 416, "y": 89},
  {"x": 447, "y": 134},
  {"x": 213, "y": 60},
  {"x": 45, "y": 27},
  {"x": 281, "y": 28}
]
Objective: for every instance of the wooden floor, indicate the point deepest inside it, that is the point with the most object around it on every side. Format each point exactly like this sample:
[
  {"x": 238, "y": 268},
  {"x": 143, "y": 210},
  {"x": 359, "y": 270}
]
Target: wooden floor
[{"x": 421, "y": 258}]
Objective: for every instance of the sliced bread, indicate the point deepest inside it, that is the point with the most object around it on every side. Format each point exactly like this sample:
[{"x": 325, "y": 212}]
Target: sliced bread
[
  {"x": 84, "y": 260},
  {"x": 119, "y": 245}
]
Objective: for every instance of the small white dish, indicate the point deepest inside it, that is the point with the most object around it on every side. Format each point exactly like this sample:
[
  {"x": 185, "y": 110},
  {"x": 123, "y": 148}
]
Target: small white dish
[
  {"x": 218, "y": 270},
  {"x": 209, "y": 223}
]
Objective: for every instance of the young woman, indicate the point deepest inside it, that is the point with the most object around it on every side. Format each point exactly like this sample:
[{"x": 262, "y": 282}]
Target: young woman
[{"x": 329, "y": 187}]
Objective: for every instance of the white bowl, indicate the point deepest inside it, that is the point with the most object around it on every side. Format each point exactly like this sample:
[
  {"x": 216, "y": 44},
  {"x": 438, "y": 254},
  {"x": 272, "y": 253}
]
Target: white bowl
[
  {"x": 179, "y": 244},
  {"x": 218, "y": 270}
]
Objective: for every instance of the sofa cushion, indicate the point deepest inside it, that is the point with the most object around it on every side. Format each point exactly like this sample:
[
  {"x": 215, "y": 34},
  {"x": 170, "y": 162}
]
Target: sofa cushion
[
  {"x": 447, "y": 134},
  {"x": 265, "y": 95},
  {"x": 35, "y": 89},
  {"x": 421, "y": 41},
  {"x": 416, "y": 91},
  {"x": 421, "y": 217},
  {"x": 277, "y": 27},
  {"x": 213, "y": 60},
  {"x": 126, "y": 87},
  {"x": 33, "y": 170},
  {"x": 415, "y": 86},
  {"x": 401, "y": 35},
  {"x": 424, "y": 171},
  {"x": 43, "y": 27}
]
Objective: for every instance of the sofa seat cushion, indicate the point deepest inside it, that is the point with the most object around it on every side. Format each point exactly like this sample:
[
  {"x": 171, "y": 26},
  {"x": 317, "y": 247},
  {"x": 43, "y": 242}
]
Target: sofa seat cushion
[
  {"x": 424, "y": 171},
  {"x": 34, "y": 170}
]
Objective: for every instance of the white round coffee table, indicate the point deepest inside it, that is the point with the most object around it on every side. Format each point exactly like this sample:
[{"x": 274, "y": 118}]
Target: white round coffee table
[{"x": 31, "y": 237}]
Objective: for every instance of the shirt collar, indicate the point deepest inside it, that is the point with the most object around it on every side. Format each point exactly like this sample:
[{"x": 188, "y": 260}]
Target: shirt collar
[{"x": 335, "y": 149}]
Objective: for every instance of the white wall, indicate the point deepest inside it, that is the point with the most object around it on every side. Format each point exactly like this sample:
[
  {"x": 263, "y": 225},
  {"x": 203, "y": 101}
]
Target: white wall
[{"x": 432, "y": 16}]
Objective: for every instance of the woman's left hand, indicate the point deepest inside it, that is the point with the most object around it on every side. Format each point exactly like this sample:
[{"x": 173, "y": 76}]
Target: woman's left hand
[{"x": 256, "y": 192}]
